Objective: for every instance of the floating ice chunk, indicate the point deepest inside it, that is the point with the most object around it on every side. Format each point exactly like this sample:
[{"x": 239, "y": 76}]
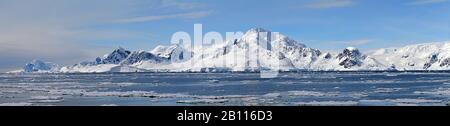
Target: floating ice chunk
[
  {"x": 398, "y": 102},
  {"x": 375, "y": 103},
  {"x": 46, "y": 101},
  {"x": 117, "y": 84},
  {"x": 17, "y": 104},
  {"x": 312, "y": 93},
  {"x": 416, "y": 101},
  {"x": 249, "y": 99},
  {"x": 327, "y": 103},
  {"x": 221, "y": 97},
  {"x": 305, "y": 93},
  {"x": 120, "y": 94},
  {"x": 249, "y": 82},
  {"x": 214, "y": 81},
  {"x": 36, "y": 89},
  {"x": 387, "y": 90},
  {"x": 272, "y": 95},
  {"x": 78, "y": 92},
  {"x": 203, "y": 101},
  {"x": 406, "y": 104},
  {"x": 72, "y": 92},
  {"x": 46, "y": 98},
  {"x": 354, "y": 94},
  {"x": 13, "y": 91},
  {"x": 109, "y": 105},
  {"x": 391, "y": 75},
  {"x": 170, "y": 95},
  {"x": 440, "y": 91}
]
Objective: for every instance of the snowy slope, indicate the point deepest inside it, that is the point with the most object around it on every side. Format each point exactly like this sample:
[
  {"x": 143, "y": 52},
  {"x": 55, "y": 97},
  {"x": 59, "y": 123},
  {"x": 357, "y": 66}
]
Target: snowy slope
[
  {"x": 242, "y": 54},
  {"x": 428, "y": 56},
  {"x": 98, "y": 68}
]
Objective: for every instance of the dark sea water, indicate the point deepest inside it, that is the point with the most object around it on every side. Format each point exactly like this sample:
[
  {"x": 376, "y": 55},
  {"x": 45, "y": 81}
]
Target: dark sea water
[{"x": 227, "y": 89}]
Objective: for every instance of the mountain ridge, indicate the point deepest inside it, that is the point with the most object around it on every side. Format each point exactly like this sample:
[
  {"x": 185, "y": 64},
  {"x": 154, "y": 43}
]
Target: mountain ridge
[{"x": 282, "y": 53}]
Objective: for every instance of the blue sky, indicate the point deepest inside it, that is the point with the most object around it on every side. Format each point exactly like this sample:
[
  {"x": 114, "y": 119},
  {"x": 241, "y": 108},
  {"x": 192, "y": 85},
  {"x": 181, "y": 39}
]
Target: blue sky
[{"x": 68, "y": 31}]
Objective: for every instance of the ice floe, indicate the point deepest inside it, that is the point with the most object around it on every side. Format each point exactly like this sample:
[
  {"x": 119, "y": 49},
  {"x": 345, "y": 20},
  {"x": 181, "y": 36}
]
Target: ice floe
[
  {"x": 214, "y": 81},
  {"x": 203, "y": 101},
  {"x": 345, "y": 89},
  {"x": 399, "y": 102},
  {"x": 311, "y": 93},
  {"x": 327, "y": 103},
  {"x": 387, "y": 90},
  {"x": 272, "y": 95},
  {"x": 46, "y": 99},
  {"x": 439, "y": 91},
  {"x": 16, "y": 104},
  {"x": 109, "y": 105}
]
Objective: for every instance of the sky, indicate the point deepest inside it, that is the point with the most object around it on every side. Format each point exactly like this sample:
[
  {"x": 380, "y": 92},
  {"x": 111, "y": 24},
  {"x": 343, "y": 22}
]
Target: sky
[{"x": 70, "y": 31}]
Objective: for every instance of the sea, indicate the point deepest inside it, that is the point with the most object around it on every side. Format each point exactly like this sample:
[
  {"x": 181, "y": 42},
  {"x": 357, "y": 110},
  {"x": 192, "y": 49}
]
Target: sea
[{"x": 227, "y": 89}]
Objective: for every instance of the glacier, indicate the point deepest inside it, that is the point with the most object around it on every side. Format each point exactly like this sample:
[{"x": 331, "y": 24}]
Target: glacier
[{"x": 281, "y": 54}]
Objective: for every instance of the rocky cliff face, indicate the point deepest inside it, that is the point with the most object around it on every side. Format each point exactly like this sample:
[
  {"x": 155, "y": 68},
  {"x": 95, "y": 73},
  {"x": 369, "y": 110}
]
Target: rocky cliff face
[{"x": 350, "y": 57}]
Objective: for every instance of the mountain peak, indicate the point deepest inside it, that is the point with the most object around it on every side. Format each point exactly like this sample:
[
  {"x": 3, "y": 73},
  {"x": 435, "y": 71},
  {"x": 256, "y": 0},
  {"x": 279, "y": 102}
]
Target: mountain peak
[
  {"x": 257, "y": 30},
  {"x": 36, "y": 61},
  {"x": 116, "y": 56},
  {"x": 352, "y": 49},
  {"x": 120, "y": 49},
  {"x": 166, "y": 51},
  {"x": 350, "y": 57}
]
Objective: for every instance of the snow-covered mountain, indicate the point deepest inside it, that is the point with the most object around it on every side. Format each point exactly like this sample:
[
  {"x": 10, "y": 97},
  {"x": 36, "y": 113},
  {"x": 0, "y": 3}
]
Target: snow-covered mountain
[
  {"x": 428, "y": 56},
  {"x": 248, "y": 54}
]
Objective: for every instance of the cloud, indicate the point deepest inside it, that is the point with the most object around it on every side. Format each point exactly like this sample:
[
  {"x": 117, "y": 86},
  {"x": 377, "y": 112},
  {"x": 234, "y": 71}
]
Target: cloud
[
  {"x": 423, "y": 2},
  {"x": 22, "y": 44},
  {"x": 190, "y": 15},
  {"x": 323, "y": 4},
  {"x": 66, "y": 32},
  {"x": 56, "y": 31},
  {"x": 180, "y": 5},
  {"x": 354, "y": 42},
  {"x": 186, "y": 13}
]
